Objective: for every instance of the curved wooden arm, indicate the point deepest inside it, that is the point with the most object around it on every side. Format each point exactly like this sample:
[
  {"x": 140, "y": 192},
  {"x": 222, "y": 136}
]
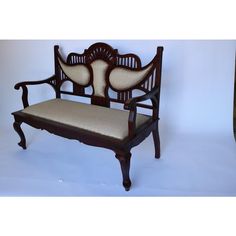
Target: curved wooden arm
[
  {"x": 48, "y": 81},
  {"x": 133, "y": 101},
  {"x": 131, "y": 104},
  {"x": 51, "y": 81}
]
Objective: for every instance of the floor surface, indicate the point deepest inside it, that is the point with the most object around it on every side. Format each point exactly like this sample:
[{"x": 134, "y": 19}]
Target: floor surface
[{"x": 190, "y": 165}]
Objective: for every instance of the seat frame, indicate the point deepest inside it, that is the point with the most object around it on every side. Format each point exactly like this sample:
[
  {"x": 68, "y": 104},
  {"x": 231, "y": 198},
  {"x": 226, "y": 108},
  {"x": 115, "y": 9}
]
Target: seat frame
[{"x": 151, "y": 85}]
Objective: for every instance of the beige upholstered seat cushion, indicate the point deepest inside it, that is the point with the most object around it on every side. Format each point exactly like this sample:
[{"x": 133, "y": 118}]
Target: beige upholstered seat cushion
[{"x": 101, "y": 120}]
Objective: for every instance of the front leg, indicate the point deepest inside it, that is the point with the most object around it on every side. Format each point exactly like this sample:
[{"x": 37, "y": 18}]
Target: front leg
[
  {"x": 124, "y": 159},
  {"x": 24, "y": 93},
  {"x": 18, "y": 129}
]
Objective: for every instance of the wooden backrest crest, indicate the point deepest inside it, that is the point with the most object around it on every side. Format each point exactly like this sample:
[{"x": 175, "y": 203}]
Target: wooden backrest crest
[{"x": 104, "y": 52}]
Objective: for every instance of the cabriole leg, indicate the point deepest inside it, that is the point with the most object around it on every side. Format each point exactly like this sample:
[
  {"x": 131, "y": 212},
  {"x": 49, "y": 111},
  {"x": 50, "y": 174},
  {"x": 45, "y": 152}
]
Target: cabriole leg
[
  {"x": 18, "y": 129},
  {"x": 156, "y": 140},
  {"x": 124, "y": 159}
]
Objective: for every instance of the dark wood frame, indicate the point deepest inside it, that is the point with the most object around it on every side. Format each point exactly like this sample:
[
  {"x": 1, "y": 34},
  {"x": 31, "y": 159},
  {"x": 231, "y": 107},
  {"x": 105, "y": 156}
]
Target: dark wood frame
[{"x": 151, "y": 85}]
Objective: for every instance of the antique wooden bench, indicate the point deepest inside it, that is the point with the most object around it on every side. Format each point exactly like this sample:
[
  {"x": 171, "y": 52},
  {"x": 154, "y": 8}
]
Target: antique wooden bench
[{"x": 113, "y": 78}]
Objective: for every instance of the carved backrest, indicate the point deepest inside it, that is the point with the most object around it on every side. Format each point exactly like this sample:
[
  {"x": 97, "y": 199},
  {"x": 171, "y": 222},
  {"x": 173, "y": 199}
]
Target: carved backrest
[{"x": 104, "y": 69}]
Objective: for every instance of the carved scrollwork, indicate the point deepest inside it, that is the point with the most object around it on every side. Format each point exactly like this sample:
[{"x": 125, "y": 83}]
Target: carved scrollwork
[{"x": 100, "y": 51}]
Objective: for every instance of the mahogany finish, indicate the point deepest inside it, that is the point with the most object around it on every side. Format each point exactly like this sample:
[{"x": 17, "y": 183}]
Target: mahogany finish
[{"x": 150, "y": 85}]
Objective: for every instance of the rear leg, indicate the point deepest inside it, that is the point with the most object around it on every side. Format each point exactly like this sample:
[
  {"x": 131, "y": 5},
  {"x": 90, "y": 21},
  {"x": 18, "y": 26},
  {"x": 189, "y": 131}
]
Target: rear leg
[{"x": 156, "y": 140}]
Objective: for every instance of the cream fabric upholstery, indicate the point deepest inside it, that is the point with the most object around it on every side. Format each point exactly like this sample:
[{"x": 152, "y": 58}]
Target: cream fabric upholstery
[
  {"x": 122, "y": 78},
  {"x": 78, "y": 73},
  {"x": 99, "y": 70},
  {"x": 105, "y": 121}
]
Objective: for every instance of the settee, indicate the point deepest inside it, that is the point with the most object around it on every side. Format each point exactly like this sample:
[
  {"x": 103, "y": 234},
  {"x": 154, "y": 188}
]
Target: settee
[{"x": 112, "y": 78}]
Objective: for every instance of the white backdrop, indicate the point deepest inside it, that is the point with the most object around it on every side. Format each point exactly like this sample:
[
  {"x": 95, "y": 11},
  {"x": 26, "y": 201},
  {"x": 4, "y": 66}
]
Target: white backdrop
[
  {"x": 196, "y": 102},
  {"x": 197, "y": 81}
]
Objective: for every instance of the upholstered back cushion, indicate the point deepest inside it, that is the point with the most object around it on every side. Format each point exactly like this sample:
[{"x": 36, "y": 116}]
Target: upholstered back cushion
[
  {"x": 122, "y": 78},
  {"x": 78, "y": 73},
  {"x": 99, "y": 70}
]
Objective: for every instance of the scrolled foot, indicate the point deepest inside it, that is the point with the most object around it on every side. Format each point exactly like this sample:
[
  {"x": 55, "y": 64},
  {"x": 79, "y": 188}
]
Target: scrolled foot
[
  {"x": 18, "y": 129},
  {"x": 157, "y": 155},
  {"x": 22, "y": 144},
  {"x": 127, "y": 185},
  {"x": 124, "y": 159}
]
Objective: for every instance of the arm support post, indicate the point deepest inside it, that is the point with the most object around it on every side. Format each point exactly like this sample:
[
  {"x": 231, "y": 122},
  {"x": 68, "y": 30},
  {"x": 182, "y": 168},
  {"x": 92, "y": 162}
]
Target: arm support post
[
  {"x": 51, "y": 81},
  {"x": 131, "y": 104}
]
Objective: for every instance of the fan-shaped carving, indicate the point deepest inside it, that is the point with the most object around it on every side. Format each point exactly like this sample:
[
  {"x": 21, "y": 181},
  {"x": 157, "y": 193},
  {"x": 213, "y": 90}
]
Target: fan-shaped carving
[{"x": 100, "y": 51}]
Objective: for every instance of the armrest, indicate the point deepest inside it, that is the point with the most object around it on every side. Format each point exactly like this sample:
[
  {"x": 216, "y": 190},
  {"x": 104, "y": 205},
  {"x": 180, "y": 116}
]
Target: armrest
[
  {"x": 51, "y": 81},
  {"x": 131, "y": 104},
  {"x": 25, "y": 83},
  {"x": 133, "y": 101}
]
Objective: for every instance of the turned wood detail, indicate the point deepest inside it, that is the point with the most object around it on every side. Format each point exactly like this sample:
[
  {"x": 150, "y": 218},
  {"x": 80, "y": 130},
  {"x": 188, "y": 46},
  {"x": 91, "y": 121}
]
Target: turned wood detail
[
  {"x": 124, "y": 159},
  {"x": 17, "y": 127}
]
